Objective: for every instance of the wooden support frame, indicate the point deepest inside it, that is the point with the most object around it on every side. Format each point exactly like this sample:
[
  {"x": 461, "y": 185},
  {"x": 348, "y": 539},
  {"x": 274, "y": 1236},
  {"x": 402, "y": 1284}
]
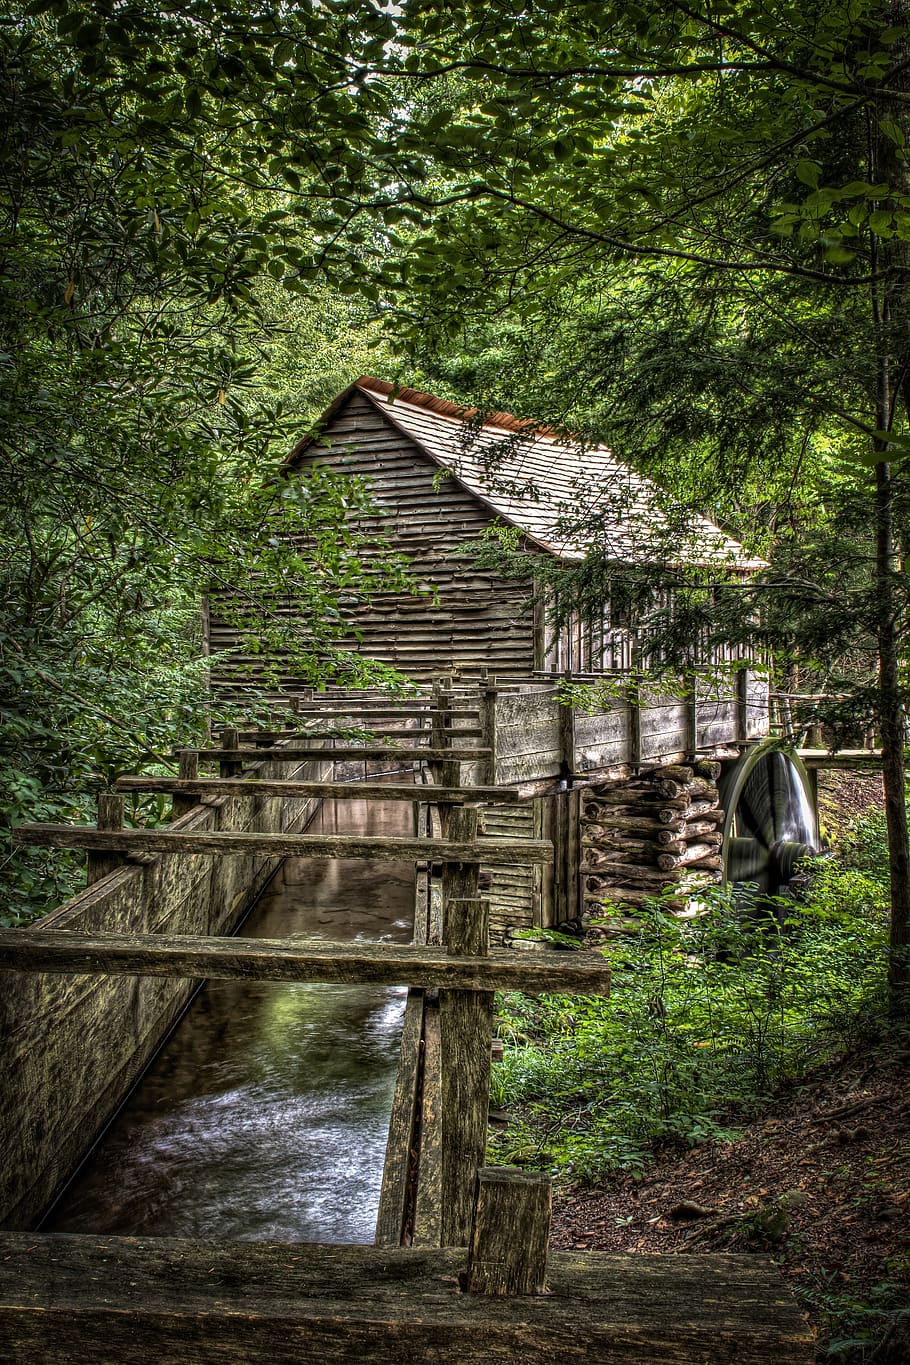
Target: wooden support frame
[{"x": 226, "y": 959}]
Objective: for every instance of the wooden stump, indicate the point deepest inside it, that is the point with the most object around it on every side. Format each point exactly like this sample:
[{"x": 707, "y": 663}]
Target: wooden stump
[{"x": 510, "y": 1232}]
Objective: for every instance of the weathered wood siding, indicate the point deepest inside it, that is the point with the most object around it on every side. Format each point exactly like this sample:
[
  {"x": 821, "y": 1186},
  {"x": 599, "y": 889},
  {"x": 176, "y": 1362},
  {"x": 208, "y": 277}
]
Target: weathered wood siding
[
  {"x": 515, "y": 892},
  {"x": 73, "y": 1046},
  {"x": 529, "y": 736},
  {"x": 466, "y": 618}
]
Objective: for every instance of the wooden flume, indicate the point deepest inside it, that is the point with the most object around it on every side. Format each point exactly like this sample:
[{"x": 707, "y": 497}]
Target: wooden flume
[{"x": 358, "y": 1302}]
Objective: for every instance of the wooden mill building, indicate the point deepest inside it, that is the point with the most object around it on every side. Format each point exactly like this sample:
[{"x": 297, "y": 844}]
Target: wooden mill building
[{"x": 442, "y": 479}]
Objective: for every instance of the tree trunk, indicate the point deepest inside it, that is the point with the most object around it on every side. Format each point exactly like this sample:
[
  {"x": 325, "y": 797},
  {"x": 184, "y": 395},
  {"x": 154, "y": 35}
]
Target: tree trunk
[
  {"x": 892, "y": 325},
  {"x": 891, "y": 722}
]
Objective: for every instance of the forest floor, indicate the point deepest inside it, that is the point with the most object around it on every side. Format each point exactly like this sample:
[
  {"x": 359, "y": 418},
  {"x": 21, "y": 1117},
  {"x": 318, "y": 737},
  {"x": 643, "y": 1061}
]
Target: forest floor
[{"x": 820, "y": 1181}]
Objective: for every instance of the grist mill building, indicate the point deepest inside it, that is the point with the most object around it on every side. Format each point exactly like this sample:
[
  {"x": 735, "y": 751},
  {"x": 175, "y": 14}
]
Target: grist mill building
[{"x": 442, "y": 481}]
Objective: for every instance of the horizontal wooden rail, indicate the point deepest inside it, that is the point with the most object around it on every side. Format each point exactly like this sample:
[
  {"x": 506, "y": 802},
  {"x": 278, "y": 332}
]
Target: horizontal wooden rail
[
  {"x": 370, "y": 752},
  {"x": 380, "y": 713},
  {"x": 405, "y": 732},
  {"x": 332, "y": 729},
  {"x": 263, "y": 959},
  {"x": 346, "y": 791},
  {"x": 512, "y": 851},
  {"x": 844, "y": 758}
]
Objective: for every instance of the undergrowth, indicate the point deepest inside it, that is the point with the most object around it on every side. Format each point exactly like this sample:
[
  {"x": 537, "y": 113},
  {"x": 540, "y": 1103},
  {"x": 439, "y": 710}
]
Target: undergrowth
[{"x": 707, "y": 1018}]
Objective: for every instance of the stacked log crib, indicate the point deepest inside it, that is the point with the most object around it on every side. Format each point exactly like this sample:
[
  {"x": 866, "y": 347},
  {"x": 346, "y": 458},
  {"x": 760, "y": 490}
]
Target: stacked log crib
[{"x": 656, "y": 833}]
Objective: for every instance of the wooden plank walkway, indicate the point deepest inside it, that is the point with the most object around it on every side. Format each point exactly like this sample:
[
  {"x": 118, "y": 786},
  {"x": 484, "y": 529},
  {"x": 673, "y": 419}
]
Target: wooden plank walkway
[{"x": 131, "y": 1300}]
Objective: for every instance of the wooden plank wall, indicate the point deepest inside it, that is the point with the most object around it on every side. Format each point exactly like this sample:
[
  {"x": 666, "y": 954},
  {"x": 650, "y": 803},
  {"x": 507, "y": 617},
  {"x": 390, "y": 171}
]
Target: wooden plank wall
[
  {"x": 529, "y": 736},
  {"x": 475, "y": 620},
  {"x": 758, "y": 705},
  {"x": 515, "y": 891},
  {"x": 73, "y": 1046}
]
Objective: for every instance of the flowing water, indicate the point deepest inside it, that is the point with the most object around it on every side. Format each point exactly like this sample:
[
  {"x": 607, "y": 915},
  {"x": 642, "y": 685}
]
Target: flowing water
[{"x": 265, "y": 1114}]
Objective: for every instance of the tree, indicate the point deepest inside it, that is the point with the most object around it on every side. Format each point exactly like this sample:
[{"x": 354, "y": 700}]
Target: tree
[
  {"x": 146, "y": 396},
  {"x": 748, "y": 163}
]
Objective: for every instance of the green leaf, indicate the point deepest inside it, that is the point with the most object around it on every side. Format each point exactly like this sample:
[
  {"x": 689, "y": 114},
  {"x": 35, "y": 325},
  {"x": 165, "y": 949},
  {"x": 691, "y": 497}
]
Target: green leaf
[
  {"x": 893, "y": 131},
  {"x": 809, "y": 172}
]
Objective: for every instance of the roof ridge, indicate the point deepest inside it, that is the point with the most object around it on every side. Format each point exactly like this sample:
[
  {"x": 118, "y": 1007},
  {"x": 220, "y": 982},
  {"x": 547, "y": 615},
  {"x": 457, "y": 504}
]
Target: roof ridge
[{"x": 444, "y": 407}]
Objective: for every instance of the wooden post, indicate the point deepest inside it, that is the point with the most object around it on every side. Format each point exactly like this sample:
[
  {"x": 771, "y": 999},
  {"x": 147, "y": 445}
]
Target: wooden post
[
  {"x": 742, "y": 705},
  {"x": 110, "y": 816},
  {"x": 438, "y": 725},
  {"x": 188, "y": 771},
  {"x": 428, "y": 1203},
  {"x": 691, "y": 696},
  {"x": 229, "y": 738},
  {"x": 635, "y": 720},
  {"x": 488, "y": 726},
  {"x": 510, "y": 1233},
  {"x": 567, "y": 731},
  {"x": 466, "y": 1019},
  {"x": 575, "y": 901},
  {"x": 460, "y": 880}
]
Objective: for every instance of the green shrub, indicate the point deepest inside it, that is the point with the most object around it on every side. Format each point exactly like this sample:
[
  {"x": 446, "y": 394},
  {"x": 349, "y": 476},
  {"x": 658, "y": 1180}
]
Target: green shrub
[{"x": 707, "y": 1018}]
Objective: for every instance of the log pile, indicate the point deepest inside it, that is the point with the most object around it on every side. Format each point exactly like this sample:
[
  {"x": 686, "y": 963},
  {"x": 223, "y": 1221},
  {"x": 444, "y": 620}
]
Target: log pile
[{"x": 657, "y": 832}]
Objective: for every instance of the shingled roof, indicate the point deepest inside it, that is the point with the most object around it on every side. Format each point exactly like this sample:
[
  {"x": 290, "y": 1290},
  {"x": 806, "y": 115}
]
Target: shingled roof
[{"x": 566, "y": 497}]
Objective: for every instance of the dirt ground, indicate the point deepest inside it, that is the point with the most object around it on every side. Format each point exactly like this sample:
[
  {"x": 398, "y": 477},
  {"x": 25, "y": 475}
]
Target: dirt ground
[{"x": 843, "y": 796}]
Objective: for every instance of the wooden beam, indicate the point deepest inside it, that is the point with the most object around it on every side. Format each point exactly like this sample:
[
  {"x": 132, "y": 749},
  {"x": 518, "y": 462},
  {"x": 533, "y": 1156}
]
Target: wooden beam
[
  {"x": 427, "y": 1230},
  {"x": 395, "y": 849},
  {"x": 467, "y": 1034},
  {"x": 373, "y": 712},
  {"x": 399, "y": 1152},
  {"x": 227, "y": 959},
  {"x": 336, "y": 730},
  {"x": 297, "y": 754},
  {"x": 342, "y": 791},
  {"x": 845, "y": 758},
  {"x": 131, "y": 1299}
]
